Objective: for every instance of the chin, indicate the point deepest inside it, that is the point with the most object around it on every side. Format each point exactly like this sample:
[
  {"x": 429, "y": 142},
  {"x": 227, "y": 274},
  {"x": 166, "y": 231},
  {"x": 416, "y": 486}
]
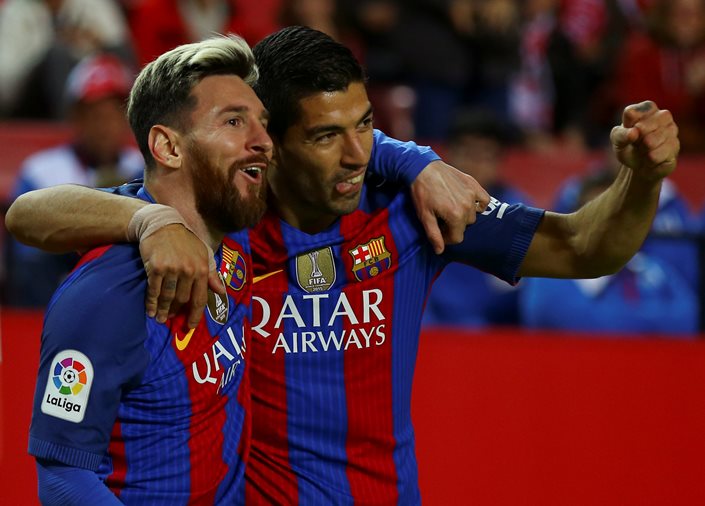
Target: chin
[{"x": 344, "y": 208}]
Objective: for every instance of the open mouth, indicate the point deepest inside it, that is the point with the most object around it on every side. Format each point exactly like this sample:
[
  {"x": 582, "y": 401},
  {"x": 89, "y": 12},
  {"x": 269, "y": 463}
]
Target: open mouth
[
  {"x": 356, "y": 179},
  {"x": 351, "y": 184},
  {"x": 253, "y": 172}
]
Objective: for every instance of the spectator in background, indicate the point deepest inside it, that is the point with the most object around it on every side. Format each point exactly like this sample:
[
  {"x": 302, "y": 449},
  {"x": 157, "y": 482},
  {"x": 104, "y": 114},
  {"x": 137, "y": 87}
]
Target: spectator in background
[
  {"x": 42, "y": 40},
  {"x": 100, "y": 154},
  {"x": 160, "y": 25},
  {"x": 568, "y": 50},
  {"x": 667, "y": 64},
  {"x": 581, "y": 54},
  {"x": 377, "y": 22},
  {"x": 432, "y": 40},
  {"x": 429, "y": 58},
  {"x": 649, "y": 295},
  {"x": 324, "y": 16},
  {"x": 494, "y": 44},
  {"x": 531, "y": 93},
  {"x": 470, "y": 297}
]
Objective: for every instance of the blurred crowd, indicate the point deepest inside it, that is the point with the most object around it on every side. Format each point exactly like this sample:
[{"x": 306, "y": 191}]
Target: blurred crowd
[
  {"x": 473, "y": 76},
  {"x": 552, "y": 70}
]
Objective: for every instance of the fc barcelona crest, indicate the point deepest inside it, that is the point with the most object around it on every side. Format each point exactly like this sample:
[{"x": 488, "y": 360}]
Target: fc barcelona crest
[
  {"x": 315, "y": 270},
  {"x": 370, "y": 259},
  {"x": 233, "y": 268}
]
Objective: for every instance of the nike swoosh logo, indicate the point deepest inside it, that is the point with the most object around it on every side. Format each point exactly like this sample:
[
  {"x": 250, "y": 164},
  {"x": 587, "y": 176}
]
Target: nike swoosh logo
[
  {"x": 257, "y": 279},
  {"x": 181, "y": 344}
]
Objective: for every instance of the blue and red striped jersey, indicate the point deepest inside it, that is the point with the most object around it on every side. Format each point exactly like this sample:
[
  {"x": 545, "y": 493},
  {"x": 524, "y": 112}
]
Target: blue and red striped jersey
[
  {"x": 336, "y": 319},
  {"x": 158, "y": 411}
]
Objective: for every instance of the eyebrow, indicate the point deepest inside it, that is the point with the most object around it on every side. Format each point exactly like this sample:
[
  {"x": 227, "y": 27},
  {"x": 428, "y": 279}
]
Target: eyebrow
[
  {"x": 242, "y": 108},
  {"x": 334, "y": 127}
]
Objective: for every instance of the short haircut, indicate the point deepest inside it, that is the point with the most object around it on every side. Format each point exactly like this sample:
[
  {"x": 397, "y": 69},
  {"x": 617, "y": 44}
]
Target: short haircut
[
  {"x": 162, "y": 95},
  {"x": 297, "y": 62}
]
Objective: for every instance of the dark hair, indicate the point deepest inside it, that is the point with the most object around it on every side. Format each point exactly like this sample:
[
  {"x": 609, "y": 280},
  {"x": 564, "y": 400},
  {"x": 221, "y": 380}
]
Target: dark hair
[
  {"x": 162, "y": 91},
  {"x": 297, "y": 62}
]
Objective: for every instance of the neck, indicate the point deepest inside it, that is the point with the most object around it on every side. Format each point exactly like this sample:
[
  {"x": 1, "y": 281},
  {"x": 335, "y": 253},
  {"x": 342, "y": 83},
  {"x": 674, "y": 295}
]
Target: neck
[
  {"x": 296, "y": 213},
  {"x": 167, "y": 189}
]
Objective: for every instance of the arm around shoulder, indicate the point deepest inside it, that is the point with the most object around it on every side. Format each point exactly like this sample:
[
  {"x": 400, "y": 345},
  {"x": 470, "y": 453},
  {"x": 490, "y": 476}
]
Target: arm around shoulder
[{"x": 70, "y": 217}]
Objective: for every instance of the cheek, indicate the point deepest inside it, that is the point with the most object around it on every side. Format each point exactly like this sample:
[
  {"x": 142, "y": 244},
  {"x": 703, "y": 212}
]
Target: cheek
[{"x": 318, "y": 180}]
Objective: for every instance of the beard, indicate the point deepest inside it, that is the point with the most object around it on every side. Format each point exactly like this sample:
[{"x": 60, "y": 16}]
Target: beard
[{"x": 218, "y": 200}]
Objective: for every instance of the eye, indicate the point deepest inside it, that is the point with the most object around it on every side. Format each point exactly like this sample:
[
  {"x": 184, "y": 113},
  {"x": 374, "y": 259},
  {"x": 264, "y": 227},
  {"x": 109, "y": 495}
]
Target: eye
[
  {"x": 235, "y": 121},
  {"x": 367, "y": 122},
  {"x": 325, "y": 137}
]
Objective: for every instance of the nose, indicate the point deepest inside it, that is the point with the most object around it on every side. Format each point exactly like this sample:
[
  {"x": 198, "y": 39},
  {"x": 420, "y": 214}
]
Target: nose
[
  {"x": 260, "y": 141},
  {"x": 356, "y": 150}
]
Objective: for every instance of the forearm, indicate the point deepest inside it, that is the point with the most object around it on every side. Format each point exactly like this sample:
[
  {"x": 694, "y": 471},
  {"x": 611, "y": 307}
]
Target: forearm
[
  {"x": 611, "y": 228},
  {"x": 600, "y": 237},
  {"x": 68, "y": 218}
]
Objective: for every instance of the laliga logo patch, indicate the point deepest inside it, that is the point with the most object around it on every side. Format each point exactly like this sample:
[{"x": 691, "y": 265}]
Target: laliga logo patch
[
  {"x": 68, "y": 386},
  {"x": 315, "y": 271},
  {"x": 370, "y": 259},
  {"x": 233, "y": 268},
  {"x": 218, "y": 306}
]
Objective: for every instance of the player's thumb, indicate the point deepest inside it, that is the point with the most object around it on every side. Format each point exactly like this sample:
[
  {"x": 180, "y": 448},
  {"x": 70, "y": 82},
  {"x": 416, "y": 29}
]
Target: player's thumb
[{"x": 621, "y": 137}]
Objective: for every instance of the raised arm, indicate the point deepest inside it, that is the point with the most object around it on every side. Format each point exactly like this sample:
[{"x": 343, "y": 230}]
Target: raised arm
[
  {"x": 603, "y": 235},
  {"x": 179, "y": 266}
]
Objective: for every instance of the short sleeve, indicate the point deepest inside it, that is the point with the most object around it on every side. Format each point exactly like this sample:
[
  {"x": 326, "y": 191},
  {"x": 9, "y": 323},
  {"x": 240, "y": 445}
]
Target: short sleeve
[
  {"x": 397, "y": 161},
  {"x": 92, "y": 351},
  {"x": 498, "y": 241}
]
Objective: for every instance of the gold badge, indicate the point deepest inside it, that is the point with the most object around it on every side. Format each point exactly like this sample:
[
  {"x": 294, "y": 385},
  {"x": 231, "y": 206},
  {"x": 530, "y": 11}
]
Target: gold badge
[{"x": 315, "y": 270}]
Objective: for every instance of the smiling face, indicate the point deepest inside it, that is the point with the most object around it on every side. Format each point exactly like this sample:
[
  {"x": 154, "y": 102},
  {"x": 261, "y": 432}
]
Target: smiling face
[
  {"x": 228, "y": 150},
  {"x": 321, "y": 160}
]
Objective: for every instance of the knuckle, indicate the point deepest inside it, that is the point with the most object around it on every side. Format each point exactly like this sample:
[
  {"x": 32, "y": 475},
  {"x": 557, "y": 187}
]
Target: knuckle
[
  {"x": 456, "y": 214},
  {"x": 188, "y": 270}
]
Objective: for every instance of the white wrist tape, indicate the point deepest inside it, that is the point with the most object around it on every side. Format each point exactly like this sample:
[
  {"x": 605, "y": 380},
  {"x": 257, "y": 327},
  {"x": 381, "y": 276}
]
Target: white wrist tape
[{"x": 151, "y": 218}]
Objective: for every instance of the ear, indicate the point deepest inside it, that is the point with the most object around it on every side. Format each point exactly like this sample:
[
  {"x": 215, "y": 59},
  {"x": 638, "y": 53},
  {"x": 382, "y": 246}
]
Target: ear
[{"x": 165, "y": 146}]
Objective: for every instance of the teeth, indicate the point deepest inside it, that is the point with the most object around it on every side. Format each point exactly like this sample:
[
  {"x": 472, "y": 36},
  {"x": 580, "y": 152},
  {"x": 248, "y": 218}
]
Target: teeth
[
  {"x": 255, "y": 170},
  {"x": 354, "y": 180}
]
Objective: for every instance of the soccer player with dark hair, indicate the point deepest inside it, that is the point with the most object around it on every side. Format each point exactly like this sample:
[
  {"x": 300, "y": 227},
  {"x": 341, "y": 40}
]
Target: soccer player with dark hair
[{"x": 342, "y": 267}]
